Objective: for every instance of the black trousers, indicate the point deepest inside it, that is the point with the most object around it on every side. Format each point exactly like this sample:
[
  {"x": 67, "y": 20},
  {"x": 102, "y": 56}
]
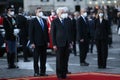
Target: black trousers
[
  {"x": 102, "y": 49},
  {"x": 24, "y": 40},
  {"x": 84, "y": 48},
  {"x": 91, "y": 45},
  {"x": 74, "y": 48},
  {"x": 62, "y": 58},
  {"x": 40, "y": 54},
  {"x": 11, "y": 59}
]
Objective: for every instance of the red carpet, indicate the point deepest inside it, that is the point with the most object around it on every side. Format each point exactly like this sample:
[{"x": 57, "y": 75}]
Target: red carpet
[{"x": 79, "y": 76}]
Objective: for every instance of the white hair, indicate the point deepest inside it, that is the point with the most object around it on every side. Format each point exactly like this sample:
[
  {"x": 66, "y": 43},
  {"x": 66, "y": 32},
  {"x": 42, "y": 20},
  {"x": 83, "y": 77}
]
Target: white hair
[
  {"x": 65, "y": 9},
  {"x": 59, "y": 9}
]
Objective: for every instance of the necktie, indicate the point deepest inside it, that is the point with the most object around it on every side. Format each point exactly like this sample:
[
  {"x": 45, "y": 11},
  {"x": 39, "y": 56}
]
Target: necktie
[
  {"x": 62, "y": 21},
  {"x": 42, "y": 24}
]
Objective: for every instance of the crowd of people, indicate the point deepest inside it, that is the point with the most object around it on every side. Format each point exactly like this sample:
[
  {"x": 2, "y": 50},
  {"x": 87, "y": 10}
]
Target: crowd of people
[{"x": 60, "y": 31}]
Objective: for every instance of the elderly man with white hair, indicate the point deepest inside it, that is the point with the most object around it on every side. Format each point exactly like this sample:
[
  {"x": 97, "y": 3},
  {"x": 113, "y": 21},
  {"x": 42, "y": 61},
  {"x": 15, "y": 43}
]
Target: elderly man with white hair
[{"x": 61, "y": 38}]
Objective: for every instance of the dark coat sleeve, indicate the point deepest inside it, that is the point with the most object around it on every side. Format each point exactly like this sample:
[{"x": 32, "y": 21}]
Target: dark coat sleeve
[
  {"x": 47, "y": 35},
  {"x": 83, "y": 31},
  {"x": 53, "y": 33},
  {"x": 31, "y": 31}
]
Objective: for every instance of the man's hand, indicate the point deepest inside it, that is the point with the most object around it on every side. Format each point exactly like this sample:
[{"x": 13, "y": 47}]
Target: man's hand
[
  {"x": 82, "y": 40},
  {"x": 48, "y": 44},
  {"x": 71, "y": 45},
  {"x": 33, "y": 46},
  {"x": 55, "y": 48}
]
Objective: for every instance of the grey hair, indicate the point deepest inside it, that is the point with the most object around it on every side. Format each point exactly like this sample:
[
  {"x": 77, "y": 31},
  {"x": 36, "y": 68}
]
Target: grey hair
[
  {"x": 65, "y": 9},
  {"x": 58, "y": 10}
]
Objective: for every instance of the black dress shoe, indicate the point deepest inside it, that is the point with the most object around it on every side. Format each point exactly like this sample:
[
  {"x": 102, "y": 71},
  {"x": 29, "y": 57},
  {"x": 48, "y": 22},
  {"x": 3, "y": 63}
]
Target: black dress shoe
[
  {"x": 102, "y": 67},
  {"x": 36, "y": 74},
  {"x": 84, "y": 64},
  {"x": 68, "y": 72},
  {"x": 43, "y": 74},
  {"x": 13, "y": 67},
  {"x": 26, "y": 60},
  {"x": 61, "y": 76}
]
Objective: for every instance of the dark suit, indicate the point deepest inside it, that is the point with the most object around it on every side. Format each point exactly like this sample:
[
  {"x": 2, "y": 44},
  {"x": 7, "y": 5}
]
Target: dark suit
[
  {"x": 74, "y": 33},
  {"x": 61, "y": 37},
  {"x": 102, "y": 31},
  {"x": 39, "y": 37},
  {"x": 92, "y": 33},
  {"x": 83, "y": 32},
  {"x": 118, "y": 24},
  {"x": 23, "y": 34}
]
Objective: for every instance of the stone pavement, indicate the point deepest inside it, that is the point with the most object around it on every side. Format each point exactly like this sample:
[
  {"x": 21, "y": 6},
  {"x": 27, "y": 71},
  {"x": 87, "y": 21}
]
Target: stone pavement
[{"x": 26, "y": 68}]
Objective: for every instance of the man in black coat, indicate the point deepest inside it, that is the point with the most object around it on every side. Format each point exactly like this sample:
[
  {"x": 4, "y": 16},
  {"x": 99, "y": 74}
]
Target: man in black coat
[
  {"x": 61, "y": 38},
  {"x": 73, "y": 21},
  {"x": 22, "y": 24},
  {"x": 38, "y": 33},
  {"x": 83, "y": 34},
  {"x": 91, "y": 22}
]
